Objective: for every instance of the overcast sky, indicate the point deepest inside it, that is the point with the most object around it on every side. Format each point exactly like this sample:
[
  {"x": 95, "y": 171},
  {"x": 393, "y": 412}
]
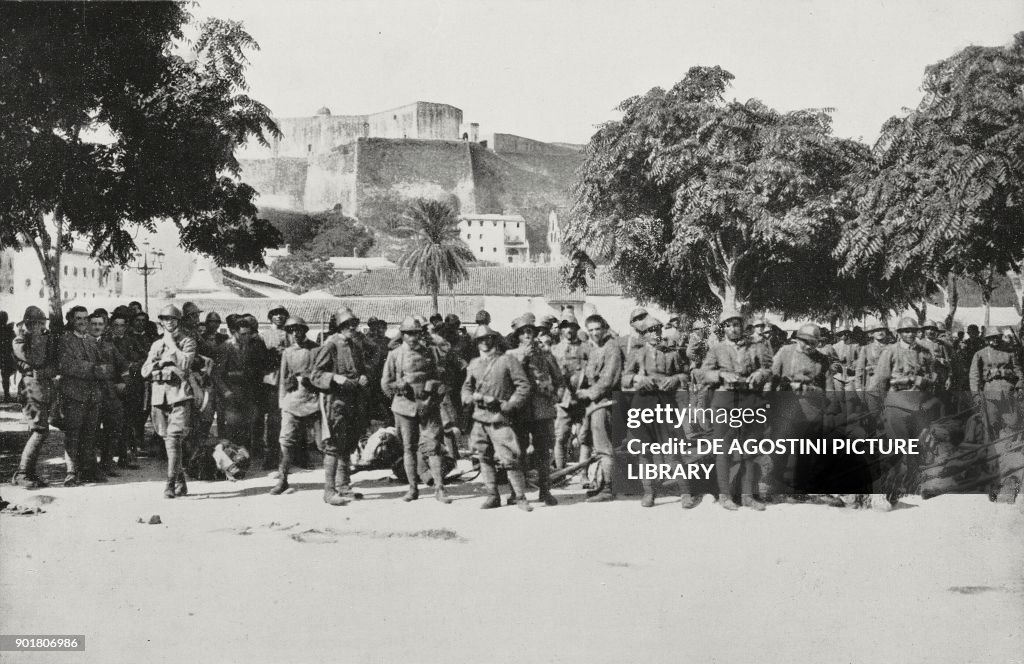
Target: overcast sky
[{"x": 552, "y": 70}]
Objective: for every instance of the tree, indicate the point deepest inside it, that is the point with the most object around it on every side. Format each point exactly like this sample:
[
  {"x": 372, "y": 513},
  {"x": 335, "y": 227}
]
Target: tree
[
  {"x": 303, "y": 271},
  {"x": 323, "y": 234},
  {"x": 943, "y": 195},
  {"x": 437, "y": 253},
  {"x": 106, "y": 129},
  {"x": 697, "y": 203}
]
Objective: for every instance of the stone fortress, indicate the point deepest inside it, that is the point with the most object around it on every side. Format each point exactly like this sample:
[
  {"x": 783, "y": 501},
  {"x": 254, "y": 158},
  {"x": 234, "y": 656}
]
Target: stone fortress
[{"x": 382, "y": 160}]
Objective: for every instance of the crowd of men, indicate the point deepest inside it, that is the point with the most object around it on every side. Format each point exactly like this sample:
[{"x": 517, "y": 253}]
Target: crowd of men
[{"x": 535, "y": 400}]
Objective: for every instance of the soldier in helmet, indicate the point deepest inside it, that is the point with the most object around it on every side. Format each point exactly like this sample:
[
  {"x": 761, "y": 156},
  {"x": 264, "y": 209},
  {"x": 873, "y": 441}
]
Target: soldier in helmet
[
  {"x": 655, "y": 368},
  {"x": 300, "y": 406},
  {"x": 497, "y": 387},
  {"x": 867, "y": 365},
  {"x": 603, "y": 377},
  {"x": 995, "y": 377},
  {"x": 190, "y": 312},
  {"x": 167, "y": 366},
  {"x": 572, "y": 356},
  {"x": 737, "y": 369},
  {"x": 536, "y": 422},
  {"x": 36, "y": 354},
  {"x": 905, "y": 372},
  {"x": 631, "y": 340},
  {"x": 412, "y": 378},
  {"x": 940, "y": 354},
  {"x": 340, "y": 371}
]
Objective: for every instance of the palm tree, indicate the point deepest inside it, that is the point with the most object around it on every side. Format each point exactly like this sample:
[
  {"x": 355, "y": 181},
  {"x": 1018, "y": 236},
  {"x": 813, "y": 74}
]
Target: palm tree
[{"x": 437, "y": 253}]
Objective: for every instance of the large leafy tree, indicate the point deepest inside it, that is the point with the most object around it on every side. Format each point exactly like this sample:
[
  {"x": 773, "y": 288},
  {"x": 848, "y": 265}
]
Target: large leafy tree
[
  {"x": 436, "y": 252},
  {"x": 944, "y": 196},
  {"x": 106, "y": 127},
  {"x": 321, "y": 234},
  {"x": 699, "y": 203}
]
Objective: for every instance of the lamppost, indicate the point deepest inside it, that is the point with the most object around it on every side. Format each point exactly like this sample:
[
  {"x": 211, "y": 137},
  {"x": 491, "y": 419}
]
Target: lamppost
[{"x": 151, "y": 260}]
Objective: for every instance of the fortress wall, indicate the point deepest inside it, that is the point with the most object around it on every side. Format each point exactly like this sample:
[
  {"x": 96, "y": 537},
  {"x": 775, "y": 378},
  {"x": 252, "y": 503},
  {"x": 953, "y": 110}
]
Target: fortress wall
[
  {"x": 281, "y": 183},
  {"x": 304, "y": 137},
  {"x": 414, "y": 168},
  {"x": 331, "y": 179},
  {"x": 502, "y": 143}
]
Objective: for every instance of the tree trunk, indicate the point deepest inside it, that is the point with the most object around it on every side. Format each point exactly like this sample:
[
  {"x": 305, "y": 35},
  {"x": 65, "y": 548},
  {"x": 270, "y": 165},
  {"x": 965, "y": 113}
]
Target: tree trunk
[
  {"x": 1016, "y": 276},
  {"x": 433, "y": 301},
  {"x": 921, "y": 311},
  {"x": 986, "y": 295},
  {"x": 952, "y": 296}
]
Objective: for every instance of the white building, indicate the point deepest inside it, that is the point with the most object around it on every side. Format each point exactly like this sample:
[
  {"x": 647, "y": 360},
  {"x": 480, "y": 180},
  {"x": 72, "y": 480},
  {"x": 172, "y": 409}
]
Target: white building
[
  {"x": 496, "y": 238},
  {"x": 82, "y": 278}
]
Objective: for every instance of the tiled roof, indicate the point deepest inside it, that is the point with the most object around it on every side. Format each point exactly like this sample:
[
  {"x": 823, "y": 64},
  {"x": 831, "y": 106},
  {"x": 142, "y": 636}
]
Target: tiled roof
[
  {"x": 529, "y": 281},
  {"x": 318, "y": 310}
]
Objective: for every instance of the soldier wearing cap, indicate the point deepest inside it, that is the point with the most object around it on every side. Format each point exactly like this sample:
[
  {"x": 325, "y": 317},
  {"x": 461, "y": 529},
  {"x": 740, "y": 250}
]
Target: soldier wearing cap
[
  {"x": 867, "y": 361},
  {"x": 737, "y": 369},
  {"x": 549, "y": 323},
  {"x": 803, "y": 369},
  {"x": 995, "y": 376},
  {"x": 35, "y": 351},
  {"x": 572, "y": 356},
  {"x": 300, "y": 405},
  {"x": 940, "y": 353},
  {"x": 632, "y": 339},
  {"x": 603, "y": 377},
  {"x": 190, "y": 319},
  {"x": 167, "y": 366},
  {"x": 340, "y": 371},
  {"x": 267, "y": 429},
  {"x": 656, "y": 370},
  {"x": 497, "y": 386},
  {"x": 412, "y": 378},
  {"x": 376, "y": 352},
  {"x": 535, "y": 424}
]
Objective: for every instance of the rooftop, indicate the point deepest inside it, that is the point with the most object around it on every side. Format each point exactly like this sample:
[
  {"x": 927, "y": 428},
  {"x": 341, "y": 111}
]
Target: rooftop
[{"x": 527, "y": 281}]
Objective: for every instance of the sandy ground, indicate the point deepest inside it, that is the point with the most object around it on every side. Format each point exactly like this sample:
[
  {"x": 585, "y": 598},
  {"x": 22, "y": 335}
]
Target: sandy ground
[{"x": 236, "y": 575}]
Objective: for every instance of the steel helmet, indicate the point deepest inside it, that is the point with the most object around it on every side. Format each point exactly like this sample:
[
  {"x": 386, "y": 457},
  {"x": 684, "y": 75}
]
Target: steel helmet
[
  {"x": 170, "y": 311},
  {"x": 484, "y": 331},
  {"x": 410, "y": 324},
  {"x": 907, "y": 323},
  {"x": 810, "y": 333},
  {"x": 33, "y": 314},
  {"x": 295, "y": 321}
]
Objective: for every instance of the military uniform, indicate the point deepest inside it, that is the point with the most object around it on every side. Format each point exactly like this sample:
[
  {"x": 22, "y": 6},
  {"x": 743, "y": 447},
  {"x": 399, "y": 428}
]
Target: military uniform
[
  {"x": 36, "y": 357},
  {"x": 751, "y": 363},
  {"x": 112, "y": 441},
  {"x": 300, "y": 405},
  {"x": 572, "y": 355},
  {"x": 133, "y": 399},
  {"x": 337, "y": 369},
  {"x": 82, "y": 390},
  {"x": 412, "y": 378},
  {"x": 845, "y": 355},
  {"x": 498, "y": 386},
  {"x": 653, "y": 372},
  {"x": 995, "y": 375},
  {"x": 267, "y": 424},
  {"x": 535, "y": 423},
  {"x": 603, "y": 377},
  {"x": 167, "y": 366},
  {"x": 237, "y": 374}
]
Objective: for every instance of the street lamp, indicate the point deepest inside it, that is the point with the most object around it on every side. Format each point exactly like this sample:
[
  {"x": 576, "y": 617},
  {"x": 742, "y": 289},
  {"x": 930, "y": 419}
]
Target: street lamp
[{"x": 149, "y": 261}]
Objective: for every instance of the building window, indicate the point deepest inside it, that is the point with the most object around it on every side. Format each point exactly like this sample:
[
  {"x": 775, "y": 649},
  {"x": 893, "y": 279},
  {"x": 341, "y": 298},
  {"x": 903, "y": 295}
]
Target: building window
[
  {"x": 481, "y": 236},
  {"x": 469, "y": 236},
  {"x": 65, "y": 295},
  {"x": 517, "y": 224},
  {"x": 481, "y": 250},
  {"x": 509, "y": 259},
  {"x": 493, "y": 222},
  {"x": 65, "y": 270},
  {"x": 74, "y": 272},
  {"x": 309, "y": 147},
  {"x": 494, "y": 249},
  {"x": 41, "y": 293},
  {"x": 28, "y": 283}
]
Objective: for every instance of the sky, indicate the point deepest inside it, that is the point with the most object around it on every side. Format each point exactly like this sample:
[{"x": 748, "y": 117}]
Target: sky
[{"x": 553, "y": 70}]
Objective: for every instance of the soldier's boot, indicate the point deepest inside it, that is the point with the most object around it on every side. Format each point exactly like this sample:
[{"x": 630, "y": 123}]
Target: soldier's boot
[
  {"x": 180, "y": 486},
  {"x": 605, "y": 493},
  {"x": 586, "y": 451},
  {"x": 648, "y": 498},
  {"x": 748, "y": 500},
  {"x": 517, "y": 478},
  {"x": 544, "y": 479},
  {"x": 343, "y": 479},
  {"x": 490, "y": 486},
  {"x": 169, "y": 487},
  {"x": 559, "y": 454},
  {"x": 412, "y": 473},
  {"x": 688, "y": 502},
  {"x": 722, "y": 472},
  {"x": 26, "y": 474},
  {"x": 71, "y": 474},
  {"x": 282, "y": 469},
  {"x": 332, "y": 497},
  {"x": 438, "y": 474}
]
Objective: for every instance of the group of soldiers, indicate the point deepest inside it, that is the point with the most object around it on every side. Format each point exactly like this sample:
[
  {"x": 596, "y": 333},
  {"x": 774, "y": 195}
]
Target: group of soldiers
[{"x": 524, "y": 402}]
